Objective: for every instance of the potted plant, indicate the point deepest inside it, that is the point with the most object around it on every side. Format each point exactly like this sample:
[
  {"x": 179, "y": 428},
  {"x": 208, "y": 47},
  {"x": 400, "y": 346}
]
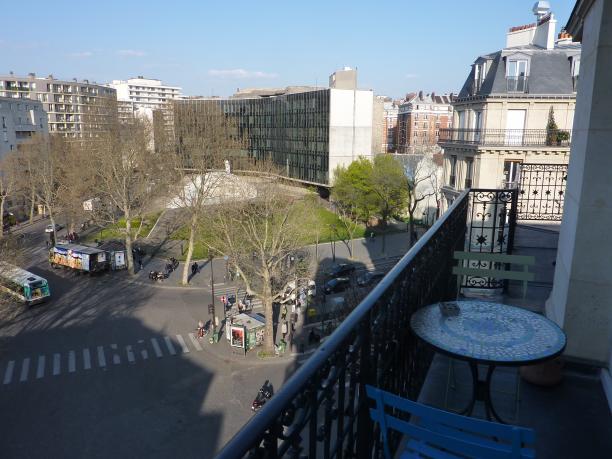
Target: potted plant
[
  {"x": 562, "y": 136},
  {"x": 552, "y": 131}
]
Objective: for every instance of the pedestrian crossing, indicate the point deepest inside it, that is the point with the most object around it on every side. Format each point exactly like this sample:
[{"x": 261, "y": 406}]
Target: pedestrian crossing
[{"x": 103, "y": 357}]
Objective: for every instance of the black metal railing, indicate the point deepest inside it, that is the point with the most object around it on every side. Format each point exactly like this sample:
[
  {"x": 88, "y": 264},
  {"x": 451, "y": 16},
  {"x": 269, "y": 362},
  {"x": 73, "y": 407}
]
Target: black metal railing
[
  {"x": 507, "y": 137},
  {"x": 517, "y": 84},
  {"x": 541, "y": 191},
  {"x": 322, "y": 409}
]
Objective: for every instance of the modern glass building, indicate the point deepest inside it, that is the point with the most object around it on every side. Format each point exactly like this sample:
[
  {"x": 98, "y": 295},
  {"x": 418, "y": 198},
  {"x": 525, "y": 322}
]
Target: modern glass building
[{"x": 305, "y": 132}]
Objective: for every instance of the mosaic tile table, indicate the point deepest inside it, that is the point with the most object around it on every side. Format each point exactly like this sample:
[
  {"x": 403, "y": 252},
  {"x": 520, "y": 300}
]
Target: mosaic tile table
[{"x": 492, "y": 334}]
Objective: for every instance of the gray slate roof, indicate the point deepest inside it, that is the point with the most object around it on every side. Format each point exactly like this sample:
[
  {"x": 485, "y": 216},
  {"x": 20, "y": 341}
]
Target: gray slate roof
[{"x": 550, "y": 71}]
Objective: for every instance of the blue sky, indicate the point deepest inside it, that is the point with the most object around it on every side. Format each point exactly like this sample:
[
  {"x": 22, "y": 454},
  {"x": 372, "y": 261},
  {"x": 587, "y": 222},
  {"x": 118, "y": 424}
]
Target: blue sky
[{"x": 215, "y": 47}]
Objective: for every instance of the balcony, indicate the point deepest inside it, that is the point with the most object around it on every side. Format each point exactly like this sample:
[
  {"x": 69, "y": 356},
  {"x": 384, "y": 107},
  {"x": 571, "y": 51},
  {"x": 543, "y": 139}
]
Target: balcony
[
  {"x": 517, "y": 84},
  {"x": 507, "y": 137},
  {"x": 321, "y": 410}
]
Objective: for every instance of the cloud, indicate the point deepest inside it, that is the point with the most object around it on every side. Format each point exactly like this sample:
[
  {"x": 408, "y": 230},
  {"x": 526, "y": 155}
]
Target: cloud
[
  {"x": 131, "y": 53},
  {"x": 240, "y": 74},
  {"x": 411, "y": 75},
  {"x": 81, "y": 54}
]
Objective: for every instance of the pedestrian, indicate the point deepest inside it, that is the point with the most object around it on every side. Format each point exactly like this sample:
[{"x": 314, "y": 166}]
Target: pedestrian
[
  {"x": 194, "y": 268},
  {"x": 284, "y": 312},
  {"x": 47, "y": 242}
]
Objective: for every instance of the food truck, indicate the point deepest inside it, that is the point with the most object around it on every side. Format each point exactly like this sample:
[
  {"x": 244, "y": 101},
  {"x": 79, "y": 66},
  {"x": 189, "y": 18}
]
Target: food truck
[
  {"x": 78, "y": 257},
  {"x": 246, "y": 330}
]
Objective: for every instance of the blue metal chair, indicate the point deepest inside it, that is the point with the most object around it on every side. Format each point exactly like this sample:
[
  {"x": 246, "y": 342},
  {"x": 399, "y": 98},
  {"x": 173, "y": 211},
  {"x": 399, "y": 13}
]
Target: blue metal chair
[{"x": 434, "y": 433}]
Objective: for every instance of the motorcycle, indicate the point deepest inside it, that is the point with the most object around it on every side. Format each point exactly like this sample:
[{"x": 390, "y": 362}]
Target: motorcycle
[
  {"x": 202, "y": 330},
  {"x": 172, "y": 265},
  {"x": 265, "y": 393},
  {"x": 157, "y": 276}
]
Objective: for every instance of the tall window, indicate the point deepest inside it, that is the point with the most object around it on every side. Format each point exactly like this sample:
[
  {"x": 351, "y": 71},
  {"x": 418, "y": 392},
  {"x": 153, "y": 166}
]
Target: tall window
[
  {"x": 512, "y": 171},
  {"x": 469, "y": 172},
  {"x": 575, "y": 71},
  {"x": 452, "y": 179},
  {"x": 479, "y": 76},
  {"x": 477, "y": 125},
  {"x": 517, "y": 75}
]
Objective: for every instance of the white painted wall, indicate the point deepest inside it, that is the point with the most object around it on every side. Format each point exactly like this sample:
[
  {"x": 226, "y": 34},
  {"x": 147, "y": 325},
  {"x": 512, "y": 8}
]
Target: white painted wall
[{"x": 345, "y": 143}]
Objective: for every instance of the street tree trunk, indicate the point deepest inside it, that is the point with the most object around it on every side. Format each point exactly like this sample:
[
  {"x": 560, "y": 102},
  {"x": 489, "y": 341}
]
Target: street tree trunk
[
  {"x": 269, "y": 313},
  {"x": 193, "y": 224},
  {"x": 128, "y": 242},
  {"x": 2, "y": 199},
  {"x": 32, "y": 201}
]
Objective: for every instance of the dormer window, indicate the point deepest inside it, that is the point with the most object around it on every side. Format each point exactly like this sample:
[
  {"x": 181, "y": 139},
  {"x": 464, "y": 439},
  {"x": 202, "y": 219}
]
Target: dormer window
[
  {"x": 480, "y": 71},
  {"x": 575, "y": 71},
  {"x": 516, "y": 75}
]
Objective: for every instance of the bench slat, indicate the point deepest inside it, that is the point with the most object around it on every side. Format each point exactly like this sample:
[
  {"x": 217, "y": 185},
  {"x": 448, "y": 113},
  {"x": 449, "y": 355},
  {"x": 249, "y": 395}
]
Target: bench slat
[
  {"x": 494, "y": 273},
  {"x": 496, "y": 257}
]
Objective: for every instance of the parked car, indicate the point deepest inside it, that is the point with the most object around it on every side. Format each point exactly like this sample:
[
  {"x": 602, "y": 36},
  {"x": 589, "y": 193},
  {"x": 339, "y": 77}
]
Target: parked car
[
  {"x": 369, "y": 278},
  {"x": 341, "y": 270},
  {"x": 49, "y": 228},
  {"x": 337, "y": 284}
]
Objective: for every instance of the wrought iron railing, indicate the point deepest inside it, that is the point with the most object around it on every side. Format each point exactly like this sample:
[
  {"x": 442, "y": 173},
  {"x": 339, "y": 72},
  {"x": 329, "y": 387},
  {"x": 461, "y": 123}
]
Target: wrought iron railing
[
  {"x": 322, "y": 410},
  {"x": 507, "y": 137},
  {"x": 541, "y": 191},
  {"x": 517, "y": 84}
]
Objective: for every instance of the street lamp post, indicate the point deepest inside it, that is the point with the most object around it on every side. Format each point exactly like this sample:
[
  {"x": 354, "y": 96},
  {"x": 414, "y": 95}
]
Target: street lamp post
[
  {"x": 333, "y": 247},
  {"x": 212, "y": 289}
]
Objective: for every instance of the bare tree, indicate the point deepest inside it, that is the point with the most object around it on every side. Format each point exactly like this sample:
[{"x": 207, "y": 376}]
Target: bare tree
[
  {"x": 9, "y": 183},
  {"x": 420, "y": 171},
  {"x": 128, "y": 176},
  {"x": 207, "y": 138},
  {"x": 261, "y": 235},
  {"x": 349, "y": 218}
]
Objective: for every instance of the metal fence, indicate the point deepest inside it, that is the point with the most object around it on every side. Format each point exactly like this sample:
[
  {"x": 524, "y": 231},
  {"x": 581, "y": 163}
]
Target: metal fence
[
  {"x": 322, "y": 411},
  {"x": 507, "y": 137},
  {"x": 541, "y": 191}
]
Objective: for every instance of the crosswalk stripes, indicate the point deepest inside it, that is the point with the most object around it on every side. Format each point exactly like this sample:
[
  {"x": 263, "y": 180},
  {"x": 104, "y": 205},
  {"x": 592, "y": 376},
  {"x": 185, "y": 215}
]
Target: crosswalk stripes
[
  {"x": 169, "y": 345},
  {"x": 101, "y": 357},
  {"x": 71, "y": 362},
  {"x": 156, "y": 348},
  {"x": 8, "y": 374},
  {"x": 25, "y": 369},
  {"x": 40, "y": 369},
  {"x": 56, "y": 364},
  {"x": 181, "y": 341},
  {"x": 195, "y": 342},
  {"x": 86, "y": 359},
  {"x": 37, "y": 367}
]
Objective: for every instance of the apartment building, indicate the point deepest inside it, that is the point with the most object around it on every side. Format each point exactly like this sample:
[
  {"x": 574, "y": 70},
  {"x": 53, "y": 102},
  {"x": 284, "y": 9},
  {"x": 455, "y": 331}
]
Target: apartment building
[
  {"x": 20, "y": 119},
  {"x": 307, "y": 132},
  {"x": 74, "y": 108},
  {"x": 420, "y": 118},
  {"x": 142, "y": 96},
  {"x": 390, "y": 131},
  {"x": 515, "y": 113}
]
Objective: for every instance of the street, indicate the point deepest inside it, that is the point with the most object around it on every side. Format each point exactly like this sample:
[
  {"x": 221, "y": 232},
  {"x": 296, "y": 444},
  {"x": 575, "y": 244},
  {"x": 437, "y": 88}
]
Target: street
[{"x": 110, "y": 368}]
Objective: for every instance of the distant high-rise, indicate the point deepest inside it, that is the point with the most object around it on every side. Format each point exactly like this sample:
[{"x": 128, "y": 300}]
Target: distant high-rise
[
  {"x": 74, "y": 108},
  {"x": 142, "y": 96}
]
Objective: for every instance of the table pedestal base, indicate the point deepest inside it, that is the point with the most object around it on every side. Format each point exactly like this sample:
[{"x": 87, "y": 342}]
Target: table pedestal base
[{"x": 481, "y": 391}]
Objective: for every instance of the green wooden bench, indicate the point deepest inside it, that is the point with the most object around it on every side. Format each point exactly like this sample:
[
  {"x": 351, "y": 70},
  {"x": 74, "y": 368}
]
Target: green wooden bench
[{"x": 494, "y": 259}]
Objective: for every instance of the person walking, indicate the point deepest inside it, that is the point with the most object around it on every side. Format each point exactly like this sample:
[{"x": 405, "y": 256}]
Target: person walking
[{"x": 194, "y": 268}]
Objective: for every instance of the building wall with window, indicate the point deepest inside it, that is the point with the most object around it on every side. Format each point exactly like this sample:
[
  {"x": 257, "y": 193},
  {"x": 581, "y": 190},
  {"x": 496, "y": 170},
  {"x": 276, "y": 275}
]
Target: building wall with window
[
  {"x": 74, "y": 108},
  {"x": 390, "y": 131},
  {"x": 142, "y": 96},
  {"x": 306, "y": 132},
  {"x": 20, "y": 119},
  {"x": 501, "y": 114},
  {"x": 420, "y": 118}
]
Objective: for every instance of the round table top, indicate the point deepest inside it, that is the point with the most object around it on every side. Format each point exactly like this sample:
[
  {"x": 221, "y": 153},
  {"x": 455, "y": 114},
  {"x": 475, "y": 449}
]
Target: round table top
[{"x": 489, "y": 332}]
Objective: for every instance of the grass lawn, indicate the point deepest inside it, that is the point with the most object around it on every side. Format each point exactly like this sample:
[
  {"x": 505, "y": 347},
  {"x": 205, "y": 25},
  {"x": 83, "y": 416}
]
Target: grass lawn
[
  {"x": 116, "y": 231},
  {"x": 331, "y": 228}
]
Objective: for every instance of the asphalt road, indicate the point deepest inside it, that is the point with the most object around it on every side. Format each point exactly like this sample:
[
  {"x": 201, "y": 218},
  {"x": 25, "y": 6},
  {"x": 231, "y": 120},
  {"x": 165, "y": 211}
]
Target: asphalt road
[{"x": 108, "y": 368}]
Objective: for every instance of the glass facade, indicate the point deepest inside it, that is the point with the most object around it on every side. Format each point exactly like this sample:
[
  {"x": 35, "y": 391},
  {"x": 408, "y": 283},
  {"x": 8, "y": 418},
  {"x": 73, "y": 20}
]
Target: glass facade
[{"x": 291, "y": 130}]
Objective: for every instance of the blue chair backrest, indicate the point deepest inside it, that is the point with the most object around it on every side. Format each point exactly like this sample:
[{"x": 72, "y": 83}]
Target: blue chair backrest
[{"x": 442, "y": 433}]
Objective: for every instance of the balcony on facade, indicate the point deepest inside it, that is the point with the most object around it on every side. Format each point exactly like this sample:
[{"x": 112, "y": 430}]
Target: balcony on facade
[
  {"x": 517, "y": 84},
  {"x": 506, "y": 137}
]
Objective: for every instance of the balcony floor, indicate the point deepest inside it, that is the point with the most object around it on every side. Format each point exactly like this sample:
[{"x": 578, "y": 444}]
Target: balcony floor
[{"x": 571, "y": 419}]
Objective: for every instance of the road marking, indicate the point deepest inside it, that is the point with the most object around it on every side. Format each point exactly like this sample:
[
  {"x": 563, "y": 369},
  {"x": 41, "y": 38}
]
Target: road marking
[
  {"x": 143, "y": 352},
  {"x": 71, "y": 362},
  {"x": 116, "y": 358},
  {"x": 156, "y": 348},
  {"x": 25, "y": 369},
  {"x": 8, "y": 375},
  {"x": 169, "y": 345},
  {"x": 86, "y": 359},
  {"x": 130, "y": 353},
  {"x": 101, "y": 358},
  {"x": 181, "y": 341},
  {"x": 40, "y": 370},
  {"x": 56, "y": 364},
  {"x": 195, "y": 342}
]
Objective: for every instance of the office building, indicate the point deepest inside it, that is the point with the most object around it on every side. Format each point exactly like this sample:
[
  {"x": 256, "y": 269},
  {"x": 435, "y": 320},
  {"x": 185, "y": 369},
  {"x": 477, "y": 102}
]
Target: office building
[
  {"x": 74, "y": 108},
  {"x": 307, "y": 132}
]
